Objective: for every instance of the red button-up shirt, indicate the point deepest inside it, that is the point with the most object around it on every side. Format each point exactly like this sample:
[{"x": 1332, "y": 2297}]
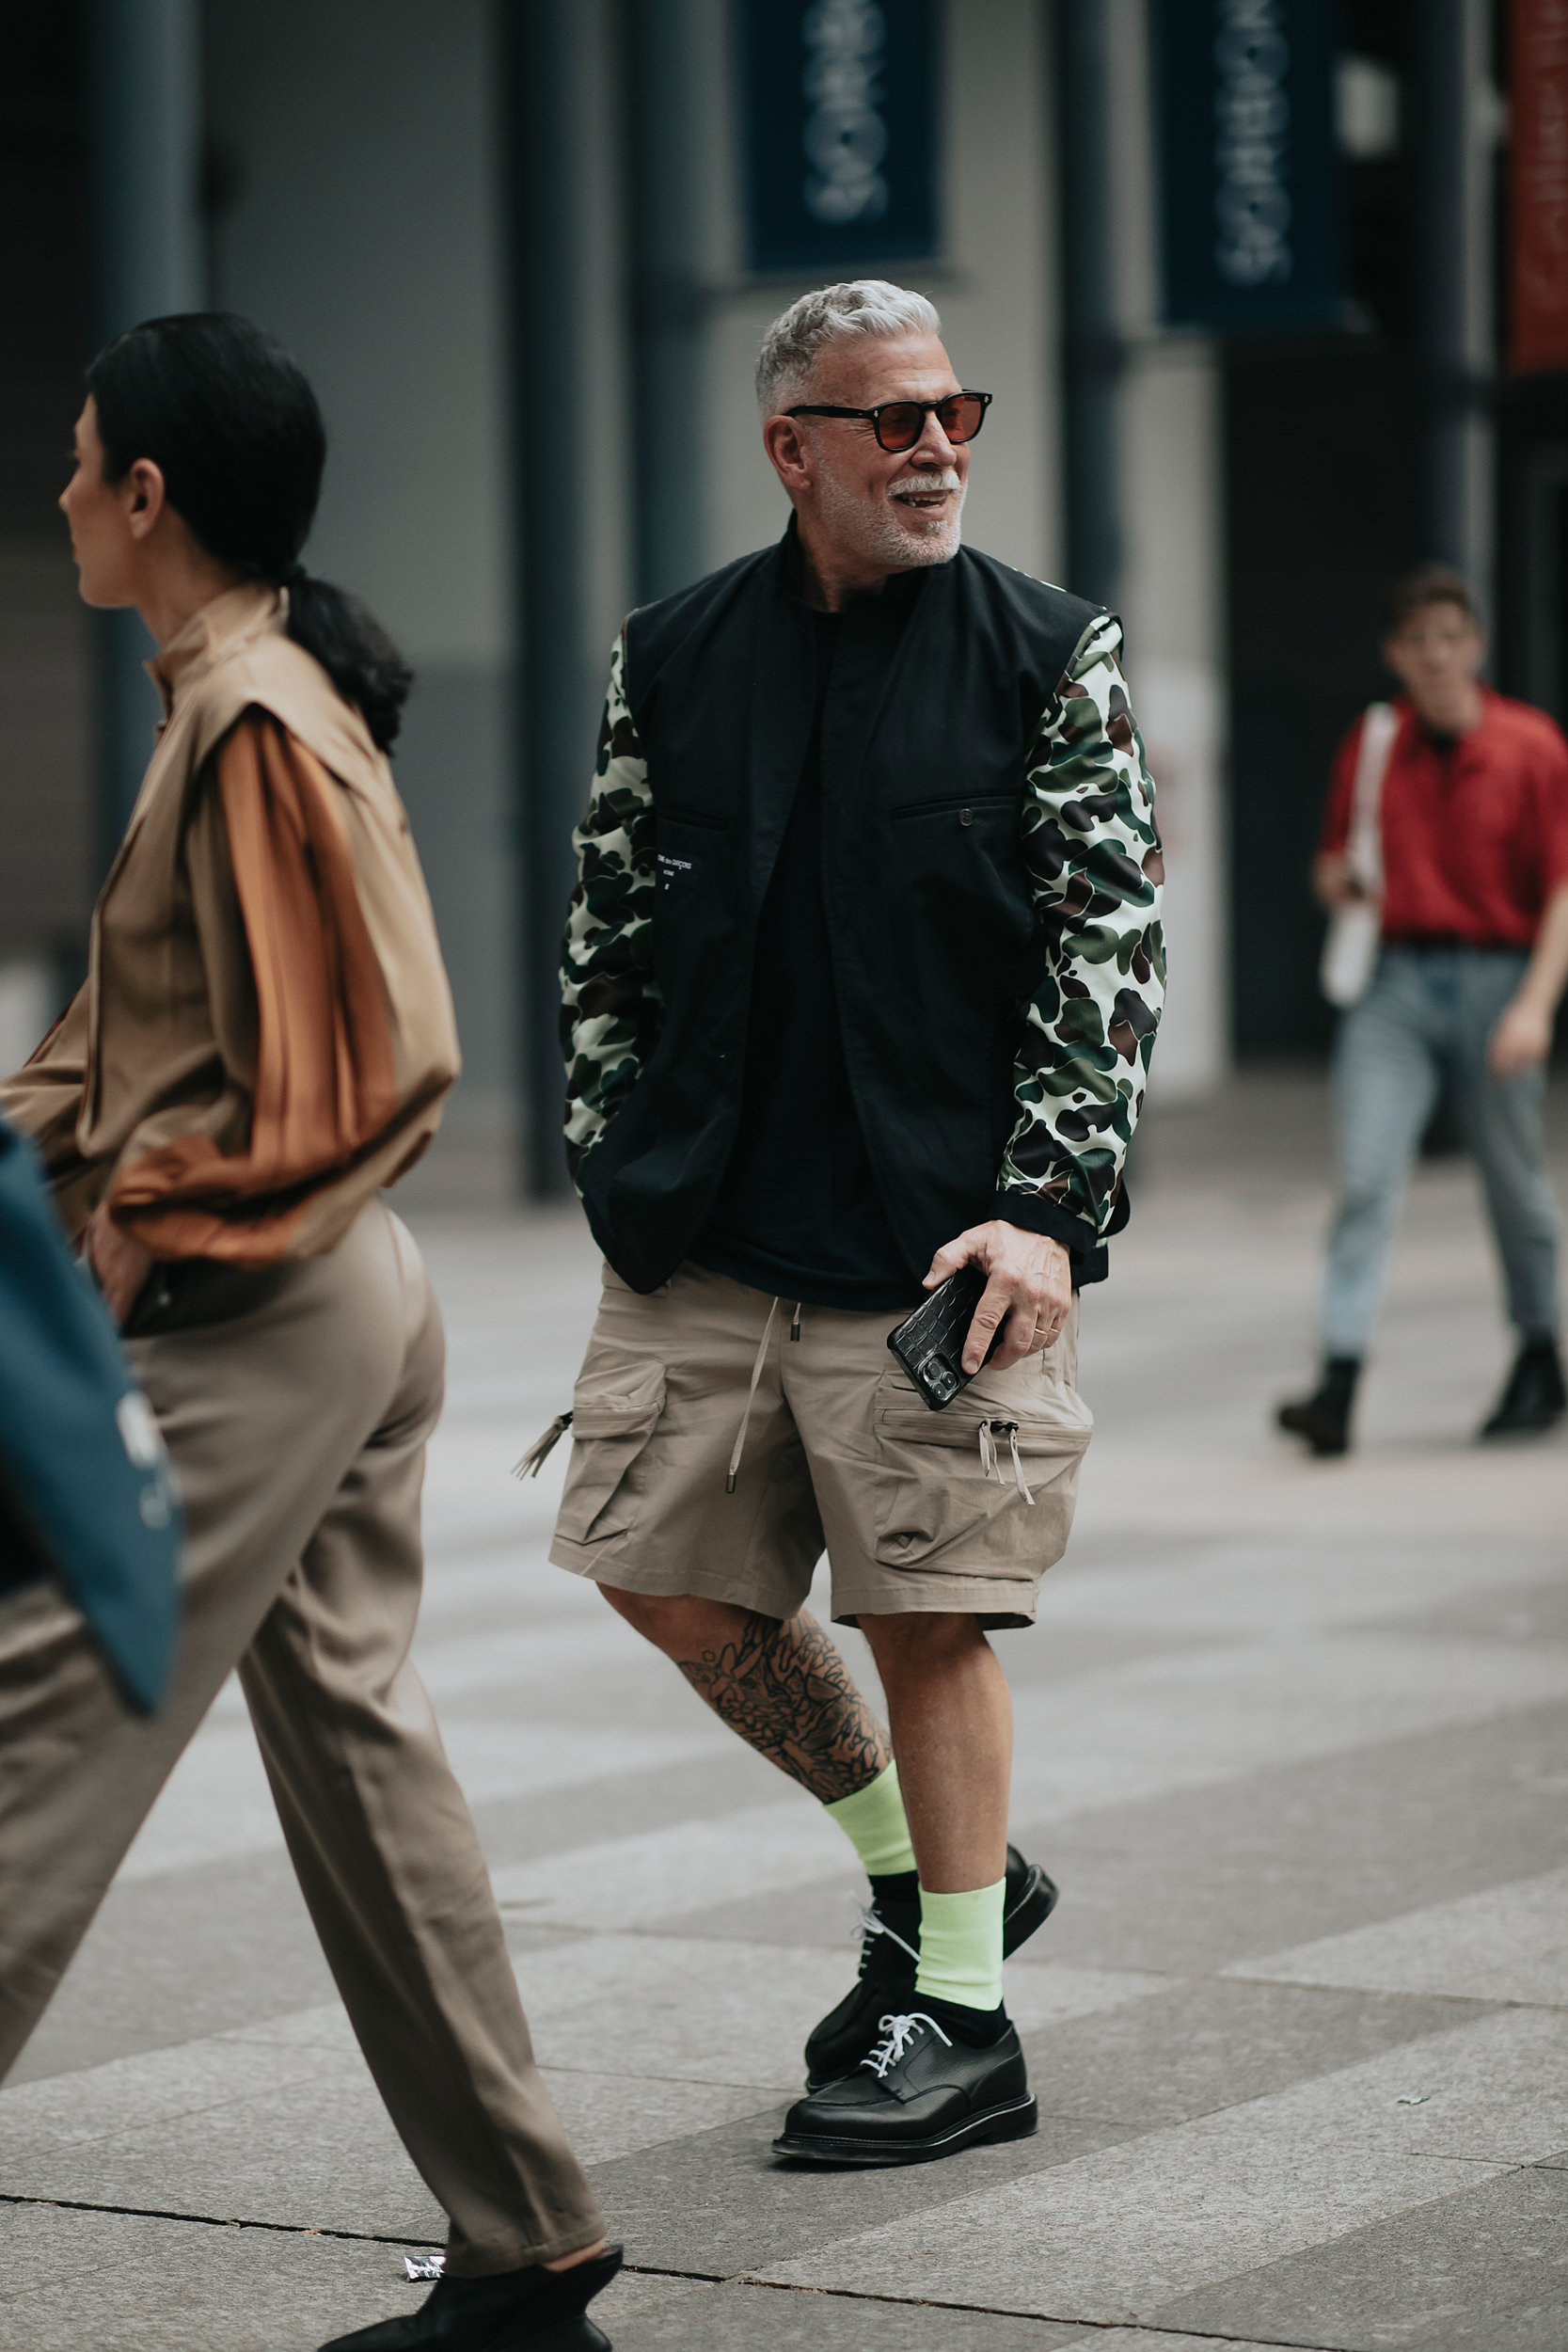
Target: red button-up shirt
[{"x": 1475, "y": 839}]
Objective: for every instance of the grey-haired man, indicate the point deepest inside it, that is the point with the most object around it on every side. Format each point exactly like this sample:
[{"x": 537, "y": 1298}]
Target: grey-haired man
[{"x": 862, "y": 979}]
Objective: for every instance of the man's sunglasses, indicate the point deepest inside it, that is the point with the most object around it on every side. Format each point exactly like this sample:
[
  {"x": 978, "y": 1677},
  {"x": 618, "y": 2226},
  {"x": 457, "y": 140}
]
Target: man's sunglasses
[{"x": 899, "y": 423}]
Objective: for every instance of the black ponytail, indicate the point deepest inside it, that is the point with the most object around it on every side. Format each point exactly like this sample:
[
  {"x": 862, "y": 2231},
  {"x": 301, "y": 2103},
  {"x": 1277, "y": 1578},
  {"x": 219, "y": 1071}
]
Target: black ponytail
[{"x": 232, "y": 425}]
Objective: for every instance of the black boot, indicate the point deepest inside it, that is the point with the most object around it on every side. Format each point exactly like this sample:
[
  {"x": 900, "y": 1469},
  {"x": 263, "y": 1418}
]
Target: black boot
[
  {"x": 890, "y": 1952},
  {"x": 1324, "y": 1418},
  {"x": 1535, "y": 1396},
  {"x": 520, "y": 2310}
]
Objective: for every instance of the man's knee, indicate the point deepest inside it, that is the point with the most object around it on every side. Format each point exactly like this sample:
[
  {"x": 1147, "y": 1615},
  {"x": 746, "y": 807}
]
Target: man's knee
[
  {"x": 683, "y": 1625},
  {"x": 922, "y": 1640}
]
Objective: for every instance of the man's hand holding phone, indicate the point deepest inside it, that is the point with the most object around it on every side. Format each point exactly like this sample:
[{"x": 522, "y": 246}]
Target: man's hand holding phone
[{"x": 1029, "y": 1281}]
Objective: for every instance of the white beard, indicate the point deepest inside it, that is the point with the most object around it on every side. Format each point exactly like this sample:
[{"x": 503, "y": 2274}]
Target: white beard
[{"x": 871, "y": 529}]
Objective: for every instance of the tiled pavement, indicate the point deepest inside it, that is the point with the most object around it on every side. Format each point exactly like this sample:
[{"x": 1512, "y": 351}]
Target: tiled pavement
[{"x": 1291, "y": 1736}]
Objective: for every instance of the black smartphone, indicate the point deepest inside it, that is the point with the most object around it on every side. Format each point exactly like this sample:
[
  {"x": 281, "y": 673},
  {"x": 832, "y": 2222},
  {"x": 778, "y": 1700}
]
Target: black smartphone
[{"x": 930, "y": 1343}]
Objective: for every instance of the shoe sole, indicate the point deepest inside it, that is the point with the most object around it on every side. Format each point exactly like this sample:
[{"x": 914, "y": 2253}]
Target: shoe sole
[
  {"x": 1032, "y": 1910},
  {"x": 577, "y": 2334},
  {"x": 1018, "y": 2120}
]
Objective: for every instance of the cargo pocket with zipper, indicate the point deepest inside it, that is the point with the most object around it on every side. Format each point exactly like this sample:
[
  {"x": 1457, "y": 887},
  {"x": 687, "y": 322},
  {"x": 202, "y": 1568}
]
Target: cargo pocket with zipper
[
  {"x": 615, "y": 1410},
  {"x": 985, "y": 1487}
]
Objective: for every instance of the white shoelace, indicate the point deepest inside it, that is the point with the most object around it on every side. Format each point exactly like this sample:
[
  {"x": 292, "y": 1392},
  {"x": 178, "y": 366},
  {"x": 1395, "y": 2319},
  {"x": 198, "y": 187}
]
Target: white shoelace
[
  {"x": 900, "y": 2034},
  {"x": 990, "y": 1459},
  {"x": 872, "y": 1923}
]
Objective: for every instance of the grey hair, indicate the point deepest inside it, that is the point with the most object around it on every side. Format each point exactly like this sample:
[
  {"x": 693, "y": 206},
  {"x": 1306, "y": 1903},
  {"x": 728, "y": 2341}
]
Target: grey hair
[{"x": 863, "y": 306}]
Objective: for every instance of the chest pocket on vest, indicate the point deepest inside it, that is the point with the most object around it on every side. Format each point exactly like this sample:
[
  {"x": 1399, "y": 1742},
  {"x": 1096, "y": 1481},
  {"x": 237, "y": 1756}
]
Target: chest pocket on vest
[{"x": 961, "y": 858}]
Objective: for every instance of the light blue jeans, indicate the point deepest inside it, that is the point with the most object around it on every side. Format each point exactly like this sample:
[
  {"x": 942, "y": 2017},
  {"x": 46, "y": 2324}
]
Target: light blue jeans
[{"x": 1424, "y": 1016}]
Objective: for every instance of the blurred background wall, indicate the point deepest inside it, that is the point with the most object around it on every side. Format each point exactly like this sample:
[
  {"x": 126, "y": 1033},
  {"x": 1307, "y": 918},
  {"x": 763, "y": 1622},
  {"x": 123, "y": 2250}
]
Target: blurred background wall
[{"x": 1271, "y": 294}]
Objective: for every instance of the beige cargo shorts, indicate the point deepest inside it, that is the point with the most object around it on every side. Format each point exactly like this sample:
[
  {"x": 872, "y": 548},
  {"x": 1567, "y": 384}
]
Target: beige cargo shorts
[{"x": 964, "y": 1509}]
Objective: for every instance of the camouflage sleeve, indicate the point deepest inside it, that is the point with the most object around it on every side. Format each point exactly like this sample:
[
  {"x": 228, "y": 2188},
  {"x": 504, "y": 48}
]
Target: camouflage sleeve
[
  {"x": 1095, "y": 867},
  {"x": 612, "y": 1009}
]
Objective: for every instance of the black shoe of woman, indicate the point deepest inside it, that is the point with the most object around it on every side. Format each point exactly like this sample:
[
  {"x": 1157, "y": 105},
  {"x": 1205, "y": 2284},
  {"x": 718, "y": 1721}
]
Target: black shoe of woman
[
  {"x": 1535, "y": 1398},
  {"x": 519, "y": 2310},
  {"x": 1324, "y": 1418}
]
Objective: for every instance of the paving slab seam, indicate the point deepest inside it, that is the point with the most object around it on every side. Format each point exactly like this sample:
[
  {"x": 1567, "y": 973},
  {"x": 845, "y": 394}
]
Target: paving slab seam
[
  {"x": 702, "y": 2278},
  {"x": 987, "y": 2311},
  {"x": 1451, "y": 2000},
  {"x": 217, "y": 2221},
  {"x": 1235, "y": 1973},
  {"x": 1014, "y": 2311},
  {"x": 772, "y": 2092}
]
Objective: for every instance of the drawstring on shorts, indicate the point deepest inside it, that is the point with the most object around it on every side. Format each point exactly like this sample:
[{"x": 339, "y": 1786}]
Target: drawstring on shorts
[
  {"x": 531, "y": 1463},
  {"x": 991, "y": 1431},
  {"x": 990, "y": 1461},
  {"x": 752, "y": 1392}
]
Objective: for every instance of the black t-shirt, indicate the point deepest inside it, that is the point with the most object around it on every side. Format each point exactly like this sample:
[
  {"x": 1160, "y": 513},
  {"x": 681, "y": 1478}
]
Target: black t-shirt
[{"x": 798, "y": 1213}]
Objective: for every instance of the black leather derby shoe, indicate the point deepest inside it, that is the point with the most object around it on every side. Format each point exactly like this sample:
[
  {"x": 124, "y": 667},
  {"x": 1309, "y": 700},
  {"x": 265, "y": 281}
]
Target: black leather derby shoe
[
  {"x": 520, "y": 2310},
  {"x": 890, "y": 1950},
  {"x": 917, "y": 2096}
]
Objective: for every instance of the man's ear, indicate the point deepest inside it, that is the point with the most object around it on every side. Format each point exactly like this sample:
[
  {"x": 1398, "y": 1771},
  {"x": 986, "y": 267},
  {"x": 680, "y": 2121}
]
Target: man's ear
[{"x": 782, "y": 439}]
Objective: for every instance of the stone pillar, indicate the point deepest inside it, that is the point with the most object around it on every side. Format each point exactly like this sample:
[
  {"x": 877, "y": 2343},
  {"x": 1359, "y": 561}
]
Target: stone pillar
[
  {"x": 143, "y": 117},
  {"x": 1458, "y": 119},
  {"x": 1173, "y": 601},
  {"x": 1171, "y": 590},
  {"x": 551, "y": 93},
  {"x": 672, "y": 44},
  {"x": 1091, "y": 310}
]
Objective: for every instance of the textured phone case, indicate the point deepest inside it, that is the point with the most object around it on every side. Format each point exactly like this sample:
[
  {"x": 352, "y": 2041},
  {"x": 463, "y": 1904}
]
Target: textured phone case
[{"x": 929, "y": 1344}]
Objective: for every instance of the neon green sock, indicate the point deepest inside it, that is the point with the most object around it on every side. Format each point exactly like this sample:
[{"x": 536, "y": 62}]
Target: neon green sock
[
  {"x": 961, "y": 1947},
  {"x": 873, "y": 1821}
]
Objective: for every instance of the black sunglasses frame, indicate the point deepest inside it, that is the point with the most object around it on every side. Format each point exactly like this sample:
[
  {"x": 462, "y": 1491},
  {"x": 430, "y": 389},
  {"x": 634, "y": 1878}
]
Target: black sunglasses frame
[{"x": 926, "y": 407}]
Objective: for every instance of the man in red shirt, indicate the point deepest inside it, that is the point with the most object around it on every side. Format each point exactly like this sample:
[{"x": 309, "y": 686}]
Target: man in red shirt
[{"x": 1473, "y": 958}]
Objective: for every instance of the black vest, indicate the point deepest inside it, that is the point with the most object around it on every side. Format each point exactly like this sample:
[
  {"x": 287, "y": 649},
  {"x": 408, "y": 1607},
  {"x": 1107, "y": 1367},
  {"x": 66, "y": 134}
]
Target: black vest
[{"x": 938, "y": 687}]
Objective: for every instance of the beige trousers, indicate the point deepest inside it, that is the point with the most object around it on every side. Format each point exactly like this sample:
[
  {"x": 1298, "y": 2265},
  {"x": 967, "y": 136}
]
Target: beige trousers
[{"x": 297, "y": 1431}]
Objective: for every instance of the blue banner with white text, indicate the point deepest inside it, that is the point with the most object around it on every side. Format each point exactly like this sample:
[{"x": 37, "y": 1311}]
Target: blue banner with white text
[
  {"x": 840, "y": 134},
  {"x": 1251, "y": 209}
]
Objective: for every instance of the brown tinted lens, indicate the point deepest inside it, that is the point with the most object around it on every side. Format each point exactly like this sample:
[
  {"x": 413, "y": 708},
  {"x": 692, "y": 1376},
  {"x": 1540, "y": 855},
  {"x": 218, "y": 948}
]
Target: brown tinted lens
[
  {"x": 899, "y": 424},
  {"x": 960, "y": 417}
]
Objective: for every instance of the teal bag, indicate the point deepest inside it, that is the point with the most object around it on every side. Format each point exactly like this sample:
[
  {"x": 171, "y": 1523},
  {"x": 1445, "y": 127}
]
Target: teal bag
[{"x": 86, "y": 1488}]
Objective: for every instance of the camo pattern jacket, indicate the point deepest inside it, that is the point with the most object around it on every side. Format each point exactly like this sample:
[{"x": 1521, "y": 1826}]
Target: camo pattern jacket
[{"x": 1092, "y": 855}]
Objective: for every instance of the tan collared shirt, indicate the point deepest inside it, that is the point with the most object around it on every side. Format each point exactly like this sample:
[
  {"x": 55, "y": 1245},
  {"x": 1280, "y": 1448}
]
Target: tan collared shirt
[{"x": 265, "y": 1035}]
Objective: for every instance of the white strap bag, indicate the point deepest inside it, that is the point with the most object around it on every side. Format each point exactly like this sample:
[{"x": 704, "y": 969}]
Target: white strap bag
[{"x": 1349, "y": 949}]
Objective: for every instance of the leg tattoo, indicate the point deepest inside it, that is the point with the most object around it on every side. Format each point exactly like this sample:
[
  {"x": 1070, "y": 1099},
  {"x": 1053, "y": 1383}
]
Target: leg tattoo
[{"x": 784, "y": 1689}]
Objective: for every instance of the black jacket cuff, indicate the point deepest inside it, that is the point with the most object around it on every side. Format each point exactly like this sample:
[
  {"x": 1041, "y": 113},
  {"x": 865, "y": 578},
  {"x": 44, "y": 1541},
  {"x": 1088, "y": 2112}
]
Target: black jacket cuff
[{"x": 1033, "y": 1215}]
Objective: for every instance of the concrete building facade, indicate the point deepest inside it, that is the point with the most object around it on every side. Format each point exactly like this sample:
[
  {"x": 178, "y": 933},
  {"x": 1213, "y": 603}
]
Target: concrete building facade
[{"x": 509, "y": 244}]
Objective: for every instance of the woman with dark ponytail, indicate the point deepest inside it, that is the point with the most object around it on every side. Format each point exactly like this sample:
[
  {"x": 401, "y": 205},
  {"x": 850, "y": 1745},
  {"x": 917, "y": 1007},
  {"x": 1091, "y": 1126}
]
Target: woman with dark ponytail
[
  {"x": 234, "y": 429},
  {"x": 263, "y": 1042}
]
